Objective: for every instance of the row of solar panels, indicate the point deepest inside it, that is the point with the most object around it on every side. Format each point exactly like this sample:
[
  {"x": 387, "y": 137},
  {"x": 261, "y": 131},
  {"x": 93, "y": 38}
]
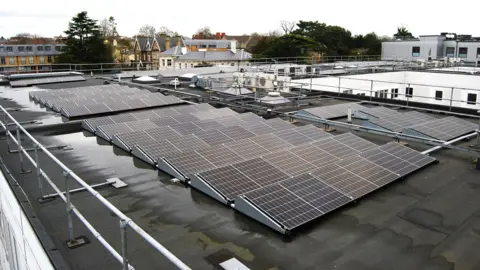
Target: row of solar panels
[
  {"x": 412, "y": 122},
  {"x": 274, "y": 172},
  {"x": 89, "y": 101},
  {"x": 416, "y": 123},
  {"x": 47, "y": 80}
]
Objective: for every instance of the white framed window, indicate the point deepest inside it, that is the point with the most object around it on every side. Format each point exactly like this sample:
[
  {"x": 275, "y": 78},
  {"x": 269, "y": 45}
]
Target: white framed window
[
  {"x": 472, "y": 99},
  {"x": 416, "y": 51},
  {"x": 42, "y": 59},
  {"x": 409, "y": 92},
  {"x": 30, "y": 60},
  {"x": 23, "y": 60},
  {"x": 438, "y": 95},
  {"x": 11, "y": 60},
  {"x": 462, "y": 52},
  {"x": 394, "y": 93},
  {"x": 383, "y": 93},
  {"x": 169, "y": 62}
]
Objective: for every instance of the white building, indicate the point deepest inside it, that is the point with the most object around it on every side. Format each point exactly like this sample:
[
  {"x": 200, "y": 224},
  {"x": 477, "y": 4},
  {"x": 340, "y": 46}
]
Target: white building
[
  {"x": 461, "y": 47},
  {"x": 456, "y": 90}
]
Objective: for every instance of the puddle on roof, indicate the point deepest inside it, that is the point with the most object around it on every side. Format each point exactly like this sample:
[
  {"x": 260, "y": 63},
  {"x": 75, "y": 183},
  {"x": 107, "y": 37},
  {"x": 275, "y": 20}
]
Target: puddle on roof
[{"x": 20, "y": 96}]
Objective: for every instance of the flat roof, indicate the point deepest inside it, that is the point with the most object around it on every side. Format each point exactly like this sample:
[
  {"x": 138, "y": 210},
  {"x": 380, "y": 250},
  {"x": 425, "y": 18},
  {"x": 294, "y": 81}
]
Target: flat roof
[{"x": 428, "y": 220}]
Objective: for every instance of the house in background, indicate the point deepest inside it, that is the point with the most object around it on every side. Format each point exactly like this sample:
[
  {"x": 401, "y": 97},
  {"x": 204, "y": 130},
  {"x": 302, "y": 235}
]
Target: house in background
[
  {"x": 16, "y": 58},
  {"x": 122, "y": 49},
  {"x": 147, "y": 49},
  {"x": 224, "y": 54}
]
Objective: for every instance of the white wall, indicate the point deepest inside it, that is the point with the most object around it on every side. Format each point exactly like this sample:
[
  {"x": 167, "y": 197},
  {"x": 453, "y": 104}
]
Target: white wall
[
  {"x": 19, "y": 245},
  {"x": 424, "y": 86}
]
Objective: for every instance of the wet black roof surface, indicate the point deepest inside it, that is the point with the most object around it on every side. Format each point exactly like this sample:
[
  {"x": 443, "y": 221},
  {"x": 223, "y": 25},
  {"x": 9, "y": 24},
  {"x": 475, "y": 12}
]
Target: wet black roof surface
[{"x": 430, "y": 220}]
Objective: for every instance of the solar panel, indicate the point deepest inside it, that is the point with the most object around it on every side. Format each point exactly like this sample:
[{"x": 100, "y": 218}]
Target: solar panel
[
  {"x": 29, "y": 82},
  {"x": 236, "y": 132},
  {"x": 157, "y": 150},
  {"x": 186, "y": 128},
  {"x": 214, "y": 137},
  {"x": 398, "y": 121},
  {"x": 246, "y": 149},
  {"x": 187, "y": 142},
  {"x": 189, "y": 163},
  {"x": 289, "y": 163},
  {"x": 344, "y": 181},
  {"x": 259, "y": 129},
  {"x": 161, "y": 133},
  {"x": 367, "y": 170},
  {"x": 293, "y": 137},
  {"x": 279, "y": 124},
  {"x": 313, "y": 154},
  {"x": 445, "y": 129},
  {"x": 271, "y": 142},
  {"x": 335, "y": 147},
  {"x": 355, "y": 142},
  {"x": 219, "y": 155},
  {"x": 313, "y": 132},
  {"x": 229, "y": 181},
  {"x": 135, "y": 137},
  {"x": 260, "y": 171}
]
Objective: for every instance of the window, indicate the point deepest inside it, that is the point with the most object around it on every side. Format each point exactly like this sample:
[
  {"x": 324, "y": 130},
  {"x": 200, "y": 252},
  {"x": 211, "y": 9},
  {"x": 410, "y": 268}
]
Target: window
[
  {"x": 40, "y": 48},
  {"x": 202, "y": 46},
  {"x": 23, "y": 61},
  {"x": 29, "y": 48},
  {"x": 9, "y": 49},
  {"x": 48, "y": 48},
  {"x": 462, "y": 52},
  {"x": 163, "y": 62},
  {"x": 438, "y": 95},
  {"x": 2, "y": 49},
  {"x": 394, "y": 93},
  {"x": 30, "y": 59},
  {"x": 49, "y": 59},
  {"x": 21, "y": 49},
  {"x": 361, "y": 94},
  {"x": 450, "y": 52},
  {"x": 383, "y": 94},
  {"x": 478, "y": 52},
  {"x": 409, "y": 92},
  {"x": 169, "y": 62},
  {"x": 42, "y": 59},
  {"x": 186, "y": 65},
  {"x": 12, "y": 60},
  {"x": 212, "y": 46},
  {"x": 472, "y": 99},
  {"x": 416, "y": 51},
  {"x": 3, "y": 61},
  {"x": 348, "y": 92}
]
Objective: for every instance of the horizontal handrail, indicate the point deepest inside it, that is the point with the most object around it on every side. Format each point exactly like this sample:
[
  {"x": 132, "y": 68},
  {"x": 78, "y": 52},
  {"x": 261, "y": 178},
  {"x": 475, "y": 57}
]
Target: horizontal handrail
[{"x": 171, "y": 257}]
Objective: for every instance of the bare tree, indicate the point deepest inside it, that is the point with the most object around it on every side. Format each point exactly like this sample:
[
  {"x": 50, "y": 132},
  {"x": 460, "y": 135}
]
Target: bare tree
[
  {"x": 163, "y": 30},
  {"x": 109, "y": 27},
  {"x": 204, "y": 33},
  {"x": 288, "y": 26},
  {"x": 147, "y": 30}
]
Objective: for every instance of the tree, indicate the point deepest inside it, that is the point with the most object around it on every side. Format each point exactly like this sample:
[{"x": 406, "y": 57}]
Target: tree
[
  {"x": 109, "y": 27},
  {"x": 147, "y": 30},
  {"x": 204, "y": 33},
  {"x": 84, "y": 42},
  {"x": 292, "y": 45},
  {"x": 288, "y": 26},
  {"x": 402, "y": 32},
  {"x": 163, "y": 30}
]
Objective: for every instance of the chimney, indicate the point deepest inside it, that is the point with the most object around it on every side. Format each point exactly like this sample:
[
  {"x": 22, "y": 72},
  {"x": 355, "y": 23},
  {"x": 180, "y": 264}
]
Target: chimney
[
  {"x": 167, "y": 43},
  {"x": 223, "y": 36}
]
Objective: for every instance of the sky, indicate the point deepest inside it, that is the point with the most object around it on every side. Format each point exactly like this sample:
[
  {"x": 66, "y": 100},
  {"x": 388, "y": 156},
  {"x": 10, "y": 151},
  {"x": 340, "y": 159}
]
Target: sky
[{"x": 424, "y": 17}]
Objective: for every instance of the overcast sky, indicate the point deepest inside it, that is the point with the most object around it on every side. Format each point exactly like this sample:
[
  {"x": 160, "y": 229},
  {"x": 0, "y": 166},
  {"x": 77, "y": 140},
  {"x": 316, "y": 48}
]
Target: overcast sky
[{"x": 243, "y": 17}]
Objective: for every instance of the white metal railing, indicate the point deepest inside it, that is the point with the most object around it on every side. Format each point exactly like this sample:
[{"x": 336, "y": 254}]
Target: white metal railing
[{"x": 124, "y": 220}]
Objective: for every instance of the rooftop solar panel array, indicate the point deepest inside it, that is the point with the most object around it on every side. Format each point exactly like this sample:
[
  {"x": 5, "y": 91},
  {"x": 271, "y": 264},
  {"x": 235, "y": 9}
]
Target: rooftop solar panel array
[
  {"x": 398, "y": 121},
  {"x": 94, "y": 100},
  {"x": 445, "y": 129},
  {"x": 267, "y": 168},
  {"x": 38, "y": 81},
  {"x": 332, "y": 111}
]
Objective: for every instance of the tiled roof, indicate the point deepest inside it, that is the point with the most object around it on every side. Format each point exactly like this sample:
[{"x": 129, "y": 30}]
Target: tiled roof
[{"x": 172, "y": 51}]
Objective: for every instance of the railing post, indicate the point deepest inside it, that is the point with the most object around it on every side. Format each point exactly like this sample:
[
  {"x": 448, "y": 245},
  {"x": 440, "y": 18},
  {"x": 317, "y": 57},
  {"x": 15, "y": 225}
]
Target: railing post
[
  {"x": 101, "y": 68},
  {"x": 408, "y": 96},
  {"x": 7, "y": 132},
  {"x": 371, "y": 89},
  {"x": 451, "y": 99},
  {"x": 39, "y": 176},
  {"x": 339, "y": 85},
  {"x": 19, "y": 144},
  {"x": 123, "y": 236},
  {"x": 69, "y": 209}
]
